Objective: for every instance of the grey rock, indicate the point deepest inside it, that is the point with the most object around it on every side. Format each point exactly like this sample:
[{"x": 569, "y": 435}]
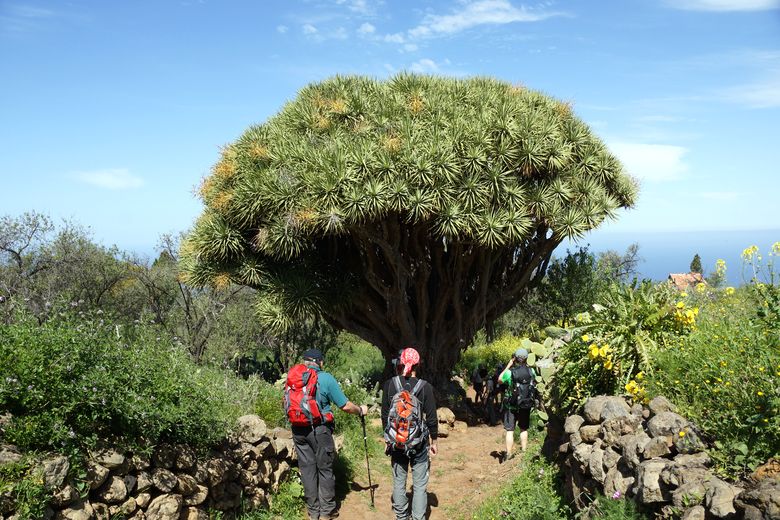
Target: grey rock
[
  {"x": 185, "y": 458},
  {"x": 596, "y": 465},
  {"x": 78, "y": 511},
  {"x": 164, "y": 480},
  {"x": 219, "y": 470},
  {"x": 198, "y": 497},
  {"x": 689, "y": 494},
  {"x": 285, "y": 448},
  {"x": 186, "y": 485},
  {"x": 614, "y": 406},
  {"x": 281, "y": 433},
  {"x": 164, "y": 507},
  {"x": 581, "y": 454},
  {"x": 130, "y": 482},
  {"x": 55, "y": 470},
  {"x": 127, "y": 508},
  {"x": 694, "y": 513},
  {"x": 113, "y": 491},
  {"x": 65, "y": 496},
  {"x": 763, "y": 497},
  {"x": 96, "y": 474},
  {"x": 280, "y": 474},
  {"x": 614, "y": 428},
  {"x": 661, "y": 404},
  {"x": 719, "y": 498},
  {"x": 666, "y": 424},
  {"x": 592, "y": 409},
  {"x": 656, "y": 447},
  {"x": 590, "y": 432},
  {"x": 193, "y": 513},
  {"x": 688, "y": 444},
  {"x": 164, "y": 456},
  {"x": 251, "y": 429},
  {"x": 618, "y": 478},
  {"x": 633, "y": 445},
  {"x": 575, "y": 439},
  {"x": 108, "y": 458},
  {"x": 649, "y": 487},
  {"x": 610, "y": 458},
  {"x": 139, "y": 462},
  {"x": 573, "y": 423},
  {"x": 696, "y": 459},
  {"x": 142, "y": 500},
  {"x": 9, "y": 454},
  {"x": 143, "y": 482}
]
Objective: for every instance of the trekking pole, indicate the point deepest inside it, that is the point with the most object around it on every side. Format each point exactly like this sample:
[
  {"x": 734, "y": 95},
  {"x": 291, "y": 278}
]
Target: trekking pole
[{"x": 368, "y": 467}]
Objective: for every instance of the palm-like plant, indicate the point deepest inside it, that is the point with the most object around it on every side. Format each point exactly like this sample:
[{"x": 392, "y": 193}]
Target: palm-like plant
[{"x": 410, "y": 211}]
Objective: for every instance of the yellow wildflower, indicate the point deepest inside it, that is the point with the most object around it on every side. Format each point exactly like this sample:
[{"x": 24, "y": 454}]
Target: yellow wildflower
[
  {"x": 640, "y": 375},
  {"x": 608, "y": 364},
  {"x": 680, "y": 305},
  {"x": 749, "y": 252},
  {"x": 700, "y": 287},
  {"x": 776, "y": 248},
  {"x": 585, "y": 338},
  {"x": 729, "y": 291},
  {"x": 683, "y": 295},
  {"x": 682, "y": 433},
  {"x": 759, "y": 393},
  {"x": 604, "y": 351},
  {"x": 593, "y": 353}
]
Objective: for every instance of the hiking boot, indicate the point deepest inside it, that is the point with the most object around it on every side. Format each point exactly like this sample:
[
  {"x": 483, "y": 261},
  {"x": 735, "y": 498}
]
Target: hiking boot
[{"x": 334, "y": 514}]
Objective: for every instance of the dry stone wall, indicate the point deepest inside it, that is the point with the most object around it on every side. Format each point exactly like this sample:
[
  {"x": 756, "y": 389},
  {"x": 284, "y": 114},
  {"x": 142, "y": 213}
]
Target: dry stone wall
[
  {"x": 656, "y": 457},
  {"x": 174, "y": 483}
]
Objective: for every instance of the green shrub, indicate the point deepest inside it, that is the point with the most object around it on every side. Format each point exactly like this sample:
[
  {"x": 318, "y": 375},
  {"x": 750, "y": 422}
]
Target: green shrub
[
  {"x": 489, "y": 355},
  {"x": 614, "y": 508},
  {"x": 532, "y": 495},
  {"x": 72, "y": 381},
  {"x": 269, "y": 404},
  {"x": 353, "y": 359},
  {"x": 735, "y": 396},
  {"x": 22, "y": 483}
]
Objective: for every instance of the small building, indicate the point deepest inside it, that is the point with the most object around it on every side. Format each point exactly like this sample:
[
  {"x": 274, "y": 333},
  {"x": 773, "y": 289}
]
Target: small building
[{"x": 685, "y": 281}]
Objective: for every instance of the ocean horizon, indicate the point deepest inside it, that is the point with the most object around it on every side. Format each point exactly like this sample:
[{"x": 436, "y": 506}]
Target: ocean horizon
[{"x": 666, "y": 252}]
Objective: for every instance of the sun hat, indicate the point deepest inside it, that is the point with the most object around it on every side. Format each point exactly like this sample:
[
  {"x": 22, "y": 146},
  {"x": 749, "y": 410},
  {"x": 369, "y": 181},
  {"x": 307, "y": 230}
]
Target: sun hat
[
  {"x": 521, "y": 354},
  {"x": 409, "y": 358}
]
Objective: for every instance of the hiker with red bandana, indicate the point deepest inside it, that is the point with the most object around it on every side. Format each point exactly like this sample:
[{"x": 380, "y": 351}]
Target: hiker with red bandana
[{"x": 411, "y": 430}]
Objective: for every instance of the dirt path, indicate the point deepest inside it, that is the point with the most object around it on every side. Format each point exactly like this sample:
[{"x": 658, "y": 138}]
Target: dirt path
[{"x": 463, "y": 474}]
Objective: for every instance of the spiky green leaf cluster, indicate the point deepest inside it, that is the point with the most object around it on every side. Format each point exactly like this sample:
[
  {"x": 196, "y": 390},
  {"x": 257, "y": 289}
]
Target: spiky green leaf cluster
[{"x": 477, "y": 159}]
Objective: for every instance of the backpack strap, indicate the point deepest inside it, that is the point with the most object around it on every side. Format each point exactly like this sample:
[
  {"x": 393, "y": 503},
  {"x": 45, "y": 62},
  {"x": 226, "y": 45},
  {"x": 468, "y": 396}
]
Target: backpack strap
[
  {"x": 418, "y": 386},
  {"x": 397, "y": 382}
]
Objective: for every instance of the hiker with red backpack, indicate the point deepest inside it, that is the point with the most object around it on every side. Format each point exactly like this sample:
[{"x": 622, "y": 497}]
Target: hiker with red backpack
[
  {"x": 309, "y": 393},
  {"x": 411, "y": 429},
  {"x": 519, "y": 400}
]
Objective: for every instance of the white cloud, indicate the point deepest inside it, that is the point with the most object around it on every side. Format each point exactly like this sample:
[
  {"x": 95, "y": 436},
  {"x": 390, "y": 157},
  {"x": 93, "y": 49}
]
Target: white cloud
[
  {"x": 394, "y": 38},
  {"x": 724, "y": 5},
  {"x": 477, "y": 13},
  {"x": 309, "y": 29},
  {"x": 366, "y": 28},
  {"x": 281, "y": 29},
  {"x": 651, "y": 162},
  {"x": 757, "y": 95},
  {"x": 358, "y": 6},
  {"x": 719, "y": 195},
  {"x": 410, "y": 47},
  {"x": 424, "y": 66},
  {"x": 111, "y": 179}
]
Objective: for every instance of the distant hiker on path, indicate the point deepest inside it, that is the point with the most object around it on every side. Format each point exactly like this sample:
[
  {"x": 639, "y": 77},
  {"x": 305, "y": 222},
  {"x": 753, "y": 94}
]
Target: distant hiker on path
[
  {"x": 308, "y": 396},
  {"x": 411, "y": 429},
  {"x": 518, "y": 400}
]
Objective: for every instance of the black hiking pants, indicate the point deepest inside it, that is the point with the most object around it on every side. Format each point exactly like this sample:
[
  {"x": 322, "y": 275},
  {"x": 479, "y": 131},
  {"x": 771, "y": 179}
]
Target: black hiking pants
[{"x": 316, "y": 454}]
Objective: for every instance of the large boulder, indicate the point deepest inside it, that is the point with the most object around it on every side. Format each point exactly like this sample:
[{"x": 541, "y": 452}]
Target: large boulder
[
  {"x": 666, "y": 424},
  {"x": 108, "y": 458},
  {"x": 650, "y": 489},
  {"x": 55, "y": 470},
  {"x": 604, "y": 407},
  {"x": 719, "y": 498},
  {"x": 763, "y": 498},
  {"x": 164, "y": 507},
  {"x": 573, "y": 423},
  {"x": 251, "y": 429},
  {"x": 113, "y": 491}
]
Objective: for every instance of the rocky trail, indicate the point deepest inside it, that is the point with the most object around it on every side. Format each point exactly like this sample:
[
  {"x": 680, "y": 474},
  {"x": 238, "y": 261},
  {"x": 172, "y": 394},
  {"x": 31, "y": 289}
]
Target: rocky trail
[{"x": 463, "y": 474}]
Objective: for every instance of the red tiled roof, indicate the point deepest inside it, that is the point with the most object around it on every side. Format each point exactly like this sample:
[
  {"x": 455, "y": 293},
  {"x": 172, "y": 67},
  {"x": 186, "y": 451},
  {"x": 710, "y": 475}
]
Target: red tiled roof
[{"x": 683, "y": 281}]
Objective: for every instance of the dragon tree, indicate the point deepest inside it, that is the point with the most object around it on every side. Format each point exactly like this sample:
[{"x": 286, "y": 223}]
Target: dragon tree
[{"x": 410, "y": 211}]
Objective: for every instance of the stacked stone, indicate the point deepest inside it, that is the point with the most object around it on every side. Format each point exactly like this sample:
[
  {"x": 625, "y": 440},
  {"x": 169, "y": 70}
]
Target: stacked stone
[
  {"x": 174, "y": 483},
  {"x": 652, "y": 455},
  {"x": 448, "y": 423}
]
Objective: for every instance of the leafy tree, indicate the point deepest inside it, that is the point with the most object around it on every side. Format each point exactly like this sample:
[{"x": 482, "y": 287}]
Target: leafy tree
[
  {"x": 413, "y": 211},
  {"x": 696, "y": 264},
  {"x": 620, "y": 268}
]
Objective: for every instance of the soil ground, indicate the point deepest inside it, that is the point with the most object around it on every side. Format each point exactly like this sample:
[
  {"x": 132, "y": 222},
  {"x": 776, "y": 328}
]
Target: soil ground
[{"x": 463, "y": 474}]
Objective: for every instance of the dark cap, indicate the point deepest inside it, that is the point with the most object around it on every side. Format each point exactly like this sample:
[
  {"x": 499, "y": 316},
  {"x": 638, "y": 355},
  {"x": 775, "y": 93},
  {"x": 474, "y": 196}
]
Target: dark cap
[{"x": 313, "y": 354}]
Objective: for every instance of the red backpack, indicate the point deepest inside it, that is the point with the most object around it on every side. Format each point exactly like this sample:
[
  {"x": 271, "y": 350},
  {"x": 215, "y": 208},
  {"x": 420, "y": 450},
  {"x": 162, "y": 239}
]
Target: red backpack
[{"x": 300, "y": 397}]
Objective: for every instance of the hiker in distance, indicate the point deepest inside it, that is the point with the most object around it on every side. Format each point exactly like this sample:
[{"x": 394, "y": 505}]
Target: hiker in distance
[
  {"x": 411, "y": 428},
  {"x": 519, "y": 399},
  {"x": 308, "y": 396}
]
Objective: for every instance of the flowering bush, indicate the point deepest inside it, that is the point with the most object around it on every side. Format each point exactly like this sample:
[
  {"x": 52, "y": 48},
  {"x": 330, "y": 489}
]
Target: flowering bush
[{"x": 617, "y": 341}]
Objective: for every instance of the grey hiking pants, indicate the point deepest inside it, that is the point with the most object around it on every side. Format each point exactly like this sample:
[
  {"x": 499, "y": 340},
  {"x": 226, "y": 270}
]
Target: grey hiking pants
[
  {"x": 421, "y": 465},
  {"x": 316, "y": 454}
]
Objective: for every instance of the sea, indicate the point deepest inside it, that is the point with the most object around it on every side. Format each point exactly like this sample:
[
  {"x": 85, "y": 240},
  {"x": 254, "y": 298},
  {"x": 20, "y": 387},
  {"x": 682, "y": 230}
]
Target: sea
[{"x": 663, "y": 253}]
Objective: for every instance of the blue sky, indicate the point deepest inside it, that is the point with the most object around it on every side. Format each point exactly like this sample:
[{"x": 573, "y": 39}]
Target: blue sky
[{"x": 111, "y": 112}]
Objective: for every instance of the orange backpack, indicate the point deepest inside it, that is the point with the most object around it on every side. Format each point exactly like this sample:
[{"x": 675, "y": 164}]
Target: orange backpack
[{"x": 405, "y": 429}]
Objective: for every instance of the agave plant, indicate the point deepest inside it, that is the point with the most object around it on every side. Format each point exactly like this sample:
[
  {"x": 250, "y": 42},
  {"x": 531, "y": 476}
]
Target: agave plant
[{"x": 414, "y": 210}]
